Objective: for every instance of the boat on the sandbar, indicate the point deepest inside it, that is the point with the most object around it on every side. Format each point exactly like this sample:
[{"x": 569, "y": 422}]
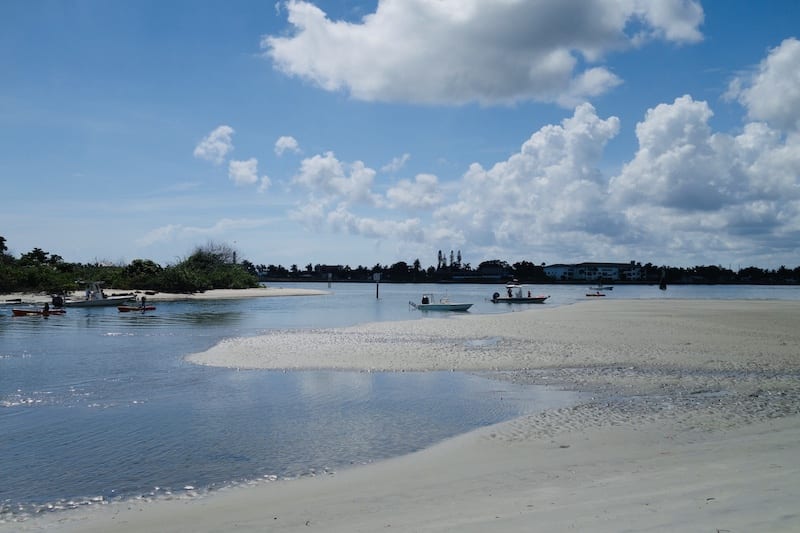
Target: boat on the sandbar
[
  {"x": 594, "y": 294},
  {"x": 427, "y": 303},
  {"x": 94, "y": 297}
]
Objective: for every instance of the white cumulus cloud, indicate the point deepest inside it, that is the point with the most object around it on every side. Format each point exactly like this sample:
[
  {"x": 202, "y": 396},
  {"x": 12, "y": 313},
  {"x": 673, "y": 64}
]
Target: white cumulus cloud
[
  {"x": 459, "y": 51},
  {"x": 265, "y": 184},
  {"x": 772, "y": 92},
  {"x": 286, "y": 143},
  {"x": 422, "y": 193},
  {"x": 243, "y": 172},
  {"x": 326, "y": 176},
  {"x": 678, "y": 163},
  {"x": 695, "y": 193},
  {"x": 343, "y": 220},
  {"x": 216, "y": 145},
  {"x": 396, "y": 163},
  {"x": 550, "y": 188},
  {"x": 688, "y": 192}
]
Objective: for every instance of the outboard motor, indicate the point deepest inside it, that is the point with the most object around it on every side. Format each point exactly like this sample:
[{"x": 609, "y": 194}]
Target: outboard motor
[{"x": 58, "y": 300}]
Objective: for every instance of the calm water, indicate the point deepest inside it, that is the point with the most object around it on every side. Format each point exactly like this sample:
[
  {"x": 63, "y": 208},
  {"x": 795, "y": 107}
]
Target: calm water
[{"x": 98, "y": 404}]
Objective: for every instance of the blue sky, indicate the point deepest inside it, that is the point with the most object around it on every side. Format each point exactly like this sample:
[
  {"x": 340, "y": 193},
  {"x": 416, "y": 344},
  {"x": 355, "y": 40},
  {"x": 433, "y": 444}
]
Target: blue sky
[{"x": 348, "y": 132}]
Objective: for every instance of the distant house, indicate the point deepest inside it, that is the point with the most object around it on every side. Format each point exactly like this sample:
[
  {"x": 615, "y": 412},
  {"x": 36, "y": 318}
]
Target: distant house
[
  {"x": 328, "y": 272},
  {"x": 594, "y": 272},
  {"x": 494, "y": 270}
]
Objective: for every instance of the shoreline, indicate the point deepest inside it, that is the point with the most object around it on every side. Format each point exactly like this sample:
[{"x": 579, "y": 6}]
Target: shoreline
[
  {"x": 27, "y": 298},
  {"x": 695, "y": 426}
]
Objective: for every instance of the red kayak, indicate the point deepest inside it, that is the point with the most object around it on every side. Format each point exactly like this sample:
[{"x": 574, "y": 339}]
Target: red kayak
[
  {"x": 37, "y": 312},
  {"x": 134, "y": 308}
]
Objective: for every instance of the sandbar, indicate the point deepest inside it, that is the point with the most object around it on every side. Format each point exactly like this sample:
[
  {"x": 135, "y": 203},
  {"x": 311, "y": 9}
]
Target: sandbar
[
  {"x": 693, "y": 425},
  {"x": 156, "y": 296}
]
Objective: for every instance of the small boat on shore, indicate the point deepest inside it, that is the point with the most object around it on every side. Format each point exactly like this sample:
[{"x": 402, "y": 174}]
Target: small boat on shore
[
  {"x": 428, "y": 304},
  {"x": 594, "y": 294},
  {"x": 95, "y": 297},
  {"x": 37, "y": 312}
]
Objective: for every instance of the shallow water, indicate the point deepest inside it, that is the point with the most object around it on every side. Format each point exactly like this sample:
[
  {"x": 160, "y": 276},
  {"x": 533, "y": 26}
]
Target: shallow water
[{"x": 98, "y": 405}]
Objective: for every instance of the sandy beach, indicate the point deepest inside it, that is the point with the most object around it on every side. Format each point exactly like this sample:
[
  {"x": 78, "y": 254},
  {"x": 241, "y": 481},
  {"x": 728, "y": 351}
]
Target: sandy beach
[
  {"x": 153, "y": 296},
  {"x": 693, "y": 425}
]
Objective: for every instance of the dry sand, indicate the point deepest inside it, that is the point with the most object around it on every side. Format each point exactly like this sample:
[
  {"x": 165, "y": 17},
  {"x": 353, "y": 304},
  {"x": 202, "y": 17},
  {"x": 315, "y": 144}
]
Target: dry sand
[{"x": 694, "y": 425}]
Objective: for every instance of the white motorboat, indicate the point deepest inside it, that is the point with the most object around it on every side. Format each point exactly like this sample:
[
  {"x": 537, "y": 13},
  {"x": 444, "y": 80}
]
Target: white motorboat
[
  {"x": 514, "y": 294},
  {"x": 95, "y": 297},
  {"x": 444, "y": 304}
]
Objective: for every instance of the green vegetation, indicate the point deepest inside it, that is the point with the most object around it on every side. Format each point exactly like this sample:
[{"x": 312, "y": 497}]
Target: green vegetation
[
  {"x": 210, "y": 267},
  {"x": 497, "y": 270},
  {"x": 214, "y": 266}
]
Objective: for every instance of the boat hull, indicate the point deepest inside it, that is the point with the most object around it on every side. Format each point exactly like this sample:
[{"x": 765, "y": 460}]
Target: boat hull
[
  {"x": 520, "y": 300},
  {"x": 37, "y": 312},
  {"x": 442, "y": 307},
  {"x": 111, "y": 301}
]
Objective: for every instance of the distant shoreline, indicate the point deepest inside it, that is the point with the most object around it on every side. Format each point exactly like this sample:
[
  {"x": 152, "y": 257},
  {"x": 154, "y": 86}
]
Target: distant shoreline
[
  {"x": 22, "y": 298},
  {"x": 523, "y": 282}
]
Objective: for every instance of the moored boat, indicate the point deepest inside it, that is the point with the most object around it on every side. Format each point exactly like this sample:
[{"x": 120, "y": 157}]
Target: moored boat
[
  {"x": 37, "y": 312},
  {"x": 95, "y": 297},
  {"x": 427, "y": 303},
  {"x": 514, "y": 294},
  {"x": 539, "y": 299},
  {"x": 594, "y": 294}
]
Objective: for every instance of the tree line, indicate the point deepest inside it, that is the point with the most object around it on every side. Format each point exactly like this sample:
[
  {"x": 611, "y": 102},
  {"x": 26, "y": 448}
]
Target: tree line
[
  {"x": 525, "y": 271},
  {"x": 212, "y": 266},
  {"x": 215, "y": 266}
]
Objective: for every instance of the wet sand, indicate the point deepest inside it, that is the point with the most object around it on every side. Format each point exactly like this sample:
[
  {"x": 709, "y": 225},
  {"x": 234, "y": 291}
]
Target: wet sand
[{"x": 693, "y": 425}]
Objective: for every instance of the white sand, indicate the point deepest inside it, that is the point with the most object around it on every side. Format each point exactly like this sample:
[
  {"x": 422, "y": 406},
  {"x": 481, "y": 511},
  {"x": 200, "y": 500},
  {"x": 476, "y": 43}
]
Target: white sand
[
  {"x": 695, "y": 426},
  {"x": 224, "y": 294},
  {"x": 213, "y": 294}
]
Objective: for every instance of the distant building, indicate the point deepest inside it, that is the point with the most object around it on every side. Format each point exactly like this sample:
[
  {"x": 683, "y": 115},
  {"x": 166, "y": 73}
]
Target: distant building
[
  {"x": 494, "y": 270},
  {"x": 594, "y": 272},
  {"x": 325, "y": 269}
]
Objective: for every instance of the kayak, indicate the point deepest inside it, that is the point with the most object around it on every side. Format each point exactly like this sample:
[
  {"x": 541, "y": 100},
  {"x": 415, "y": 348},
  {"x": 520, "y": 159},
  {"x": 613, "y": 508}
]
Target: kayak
[
  {"x": 134, "y": 308},
  {"x": 37, "y": 312}
]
